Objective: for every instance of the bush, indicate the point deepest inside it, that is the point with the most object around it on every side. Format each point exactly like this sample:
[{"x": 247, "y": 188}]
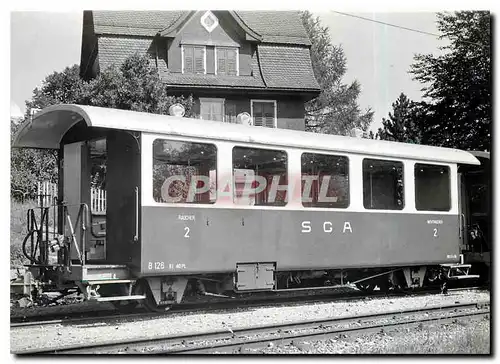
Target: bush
[{"x": 18, "y": 231}]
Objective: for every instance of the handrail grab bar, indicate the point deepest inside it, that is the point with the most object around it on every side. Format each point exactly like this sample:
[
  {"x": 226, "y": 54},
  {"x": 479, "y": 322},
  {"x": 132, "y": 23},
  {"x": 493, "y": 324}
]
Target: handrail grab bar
[{"x": 136, "y": 236}]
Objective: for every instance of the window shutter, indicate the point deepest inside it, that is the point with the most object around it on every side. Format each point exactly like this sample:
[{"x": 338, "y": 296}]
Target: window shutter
[
  {"x": 230, "y": 109},
  {"x": 217, "y": 113},
  {"x": 188, "y": 59},
  {"x": 263, "y": 114},
  {"x": 205, "y": 110},
  {"x": 257, "y": 114},
  {"x": 258, "y": 121},
  {"x": 221, "y": 61},
  {"x": 212, "y": 109},
  {"x": 199, "y": 58},
  {"x": 268, "y": 109},
  {"x": 231, "y": 62}
]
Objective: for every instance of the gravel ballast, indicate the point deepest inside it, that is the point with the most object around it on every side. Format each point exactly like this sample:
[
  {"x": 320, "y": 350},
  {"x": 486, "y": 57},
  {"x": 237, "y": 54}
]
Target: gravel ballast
[
  {"x": 456, "y": 338},
  {"x": 37, "y": 337}
]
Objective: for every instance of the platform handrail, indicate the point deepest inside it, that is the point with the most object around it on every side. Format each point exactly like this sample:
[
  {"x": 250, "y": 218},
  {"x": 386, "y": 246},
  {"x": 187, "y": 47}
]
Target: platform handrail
[
  {"x": 81, "y": 220},
  {"x": 38, "y": 235},
  {"x": 136, "y": 236}
]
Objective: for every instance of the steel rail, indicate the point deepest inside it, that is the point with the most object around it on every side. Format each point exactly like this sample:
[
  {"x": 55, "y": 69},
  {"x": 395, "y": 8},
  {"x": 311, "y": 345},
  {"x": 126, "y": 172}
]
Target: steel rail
[
  {"x": 241, "y": 345},
  {"x": 66, "y": 318},
  {"x": 281, "y": 332},
  {"x": 69, "y": 318}
]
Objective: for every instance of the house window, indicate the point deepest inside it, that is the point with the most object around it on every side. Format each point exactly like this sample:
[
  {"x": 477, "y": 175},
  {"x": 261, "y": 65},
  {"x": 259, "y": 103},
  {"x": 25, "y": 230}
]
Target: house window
[
  {"x": 226, "y": 60},
  {"x": 264, "y": 113},
  {"x": 194, "y": 59},
  {"x": 212, "y": 109}
]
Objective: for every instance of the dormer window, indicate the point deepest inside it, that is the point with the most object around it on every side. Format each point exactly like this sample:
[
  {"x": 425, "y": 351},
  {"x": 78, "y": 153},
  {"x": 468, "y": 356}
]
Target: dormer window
[
  {"x": 227, "y": 61},
  {"x": 194, "y": 59}
]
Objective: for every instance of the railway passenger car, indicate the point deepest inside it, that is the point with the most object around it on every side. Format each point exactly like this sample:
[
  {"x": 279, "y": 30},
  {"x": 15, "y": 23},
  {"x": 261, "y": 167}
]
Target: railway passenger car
[{"x": 217, "y": 208}]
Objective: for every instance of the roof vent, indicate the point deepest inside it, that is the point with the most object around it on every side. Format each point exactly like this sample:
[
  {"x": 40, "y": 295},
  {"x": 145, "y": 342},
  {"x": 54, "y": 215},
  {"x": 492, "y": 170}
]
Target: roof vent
[
  {"x": 177, "y": 110},
  {"x": 244, "y": 118}
]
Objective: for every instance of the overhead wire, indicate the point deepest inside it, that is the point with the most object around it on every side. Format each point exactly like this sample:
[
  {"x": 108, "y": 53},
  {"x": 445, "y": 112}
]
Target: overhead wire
[{"x": 404, "y": 28}]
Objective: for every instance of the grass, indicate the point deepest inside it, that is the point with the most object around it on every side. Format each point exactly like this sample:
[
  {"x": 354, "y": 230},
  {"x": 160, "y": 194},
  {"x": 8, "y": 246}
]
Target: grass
[
  {"x": 18, "y": 231},
  {"x": 458, "y": 338}
]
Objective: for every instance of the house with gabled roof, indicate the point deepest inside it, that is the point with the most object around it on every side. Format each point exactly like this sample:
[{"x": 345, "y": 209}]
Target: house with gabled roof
[{"x": 232, "y": 62}]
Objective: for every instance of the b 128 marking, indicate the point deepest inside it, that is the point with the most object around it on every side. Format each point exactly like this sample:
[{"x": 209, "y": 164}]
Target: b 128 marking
[
  {"x": 162, "y": 266},
  {"x": 156, "y": 265}
]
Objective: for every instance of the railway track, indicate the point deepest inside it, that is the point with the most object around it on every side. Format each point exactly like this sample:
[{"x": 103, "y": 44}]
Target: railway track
[
  {"x": 108, "y": 315},
  {"x": 238, "y": 340},
  {"x": 216, "y": 304}
]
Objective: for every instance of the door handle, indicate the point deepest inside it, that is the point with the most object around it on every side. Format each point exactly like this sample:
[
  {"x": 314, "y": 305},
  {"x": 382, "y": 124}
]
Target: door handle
[{"x": 136, "y": 236}]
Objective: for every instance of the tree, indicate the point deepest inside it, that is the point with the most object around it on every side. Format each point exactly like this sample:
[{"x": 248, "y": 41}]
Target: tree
[
  {"x": 134, "y": 85},
  {"x": 28, "y": 166},
  {"x": 458, "y": 83},
  {"x": 404, "y": 123},
  {"x": 335, "y": 110},
  {"x": 64, "y": 87}
]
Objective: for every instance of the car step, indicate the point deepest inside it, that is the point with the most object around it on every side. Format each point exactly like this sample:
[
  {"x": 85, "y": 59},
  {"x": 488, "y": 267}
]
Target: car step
[
  {"x": 117, "y": 298},
  {"x": 456, "y": 265},
  {"x": 109, "y": 281},
  {"x": 468, "y": 276}
]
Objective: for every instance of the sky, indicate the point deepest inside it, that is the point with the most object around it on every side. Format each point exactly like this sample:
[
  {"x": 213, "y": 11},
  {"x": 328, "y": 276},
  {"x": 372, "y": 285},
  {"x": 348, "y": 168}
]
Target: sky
[
  {"x": 41, "y": 43},
  {"x": 378, "y": 56}
]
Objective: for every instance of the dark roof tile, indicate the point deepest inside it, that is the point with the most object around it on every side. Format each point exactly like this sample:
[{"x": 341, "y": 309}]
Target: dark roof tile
[
  {"x": 211, "y": 80},
  {"x": 115, "y": 50},
  {"x": 121, "y": 22},
  {"x": 286, "y": 67},
  {"x": 274, "y": 26},
  {"x": 113, "y": 30}
]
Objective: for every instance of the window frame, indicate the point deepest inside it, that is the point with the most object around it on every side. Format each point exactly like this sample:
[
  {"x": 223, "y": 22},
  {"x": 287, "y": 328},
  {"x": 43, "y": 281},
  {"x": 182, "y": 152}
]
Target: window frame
[
  {"x": 348, "y": 164},
  {"x": 237, "y": 59},
  {"x": 415, "y": 186},
  {"x": 194, "y": 67},
  {"x": 165, "y": 138},
  {"x": 402, "y": 162},
  {"x": 275, "y": 110},
  {"x": 287, "y": 174},
  {"x": 214, "y": 99}
]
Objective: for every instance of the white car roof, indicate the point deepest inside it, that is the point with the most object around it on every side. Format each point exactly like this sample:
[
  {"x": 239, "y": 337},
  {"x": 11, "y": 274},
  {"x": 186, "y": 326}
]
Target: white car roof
[{"x": 49, "y": 126}]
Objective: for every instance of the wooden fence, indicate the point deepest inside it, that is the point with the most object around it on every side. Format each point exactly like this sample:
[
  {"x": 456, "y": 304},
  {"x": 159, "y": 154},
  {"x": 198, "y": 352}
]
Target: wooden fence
[
  {"x": 47, "y": 191},
  {"x": 97, "y": 200}
]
